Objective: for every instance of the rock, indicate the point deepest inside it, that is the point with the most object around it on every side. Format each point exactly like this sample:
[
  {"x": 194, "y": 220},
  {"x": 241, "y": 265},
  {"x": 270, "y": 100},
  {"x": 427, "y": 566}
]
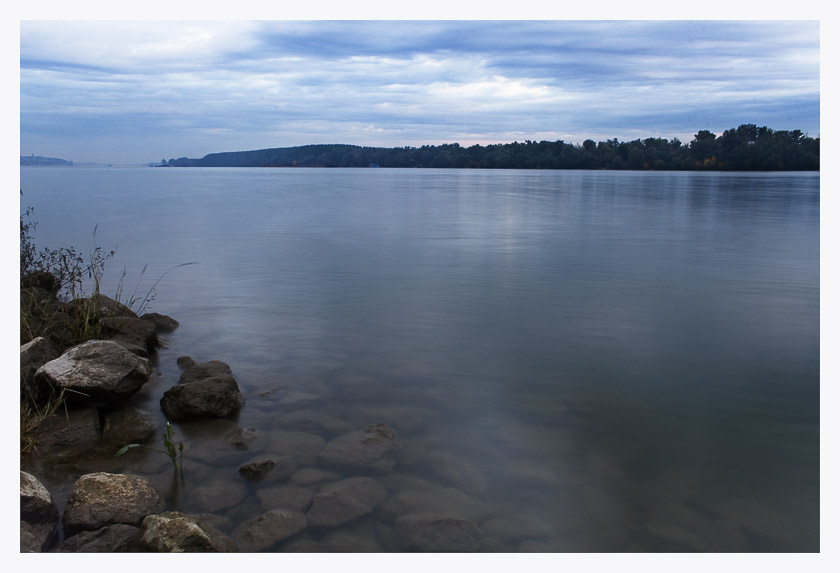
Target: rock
[
  {"x": 216, "y": 495},
  {"x": 259, "y": 467},
  {"x": 215, "y": 397},
  {"x": 455, "y": 471},
  {"x": 38, "y": 514},
  {"x": 126, "y": 426},
  {"x": 75, "y": 429},
  {"x": 343, "y": 501},
  {"x": 437, "y": 533},
  {"x": 33, "y": 355},
  {"x": 110, "y": 539},
  {"x": 285, "y": 497},
  {"x": 175, "y": 532},
  {"x": 185, "y": 362},
  {"x": 241, "y": 438},
  {"x": 201, "y": 370},
  {"x": 270, "y": 528},
  {"x": 132, "y": 333},
  {"x": 162, "y": 322},
  {"x": 437, "y": 500},
  {"x": 101, "y": 499},
  {"x": 97, "y": 371},
  {"x": 373, "y": 449}
]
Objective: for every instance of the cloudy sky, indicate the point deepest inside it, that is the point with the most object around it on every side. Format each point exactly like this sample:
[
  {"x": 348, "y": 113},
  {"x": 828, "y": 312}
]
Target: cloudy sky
[{"x": 138, "y": 91}]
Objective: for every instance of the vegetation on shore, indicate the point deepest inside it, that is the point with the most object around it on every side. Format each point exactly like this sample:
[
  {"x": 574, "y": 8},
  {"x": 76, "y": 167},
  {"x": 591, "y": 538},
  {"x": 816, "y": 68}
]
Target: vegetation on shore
[{"x": 745, "y": 148}]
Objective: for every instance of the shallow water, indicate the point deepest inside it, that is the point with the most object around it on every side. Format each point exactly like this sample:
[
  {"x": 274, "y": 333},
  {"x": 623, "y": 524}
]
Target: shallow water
[{"x": 624, "y": 361}]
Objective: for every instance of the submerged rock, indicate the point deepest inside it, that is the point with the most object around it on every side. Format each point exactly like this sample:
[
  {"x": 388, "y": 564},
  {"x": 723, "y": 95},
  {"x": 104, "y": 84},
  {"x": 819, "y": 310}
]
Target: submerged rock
[
  {"x": 373, "y": 449},
  {"x": 437, "y": 533},
  {"x": 215, "y": 397},
  {"x": 343, "y": 501},
  {"x": 110, "y": 539},
  {"x": 268, "y": 529}
]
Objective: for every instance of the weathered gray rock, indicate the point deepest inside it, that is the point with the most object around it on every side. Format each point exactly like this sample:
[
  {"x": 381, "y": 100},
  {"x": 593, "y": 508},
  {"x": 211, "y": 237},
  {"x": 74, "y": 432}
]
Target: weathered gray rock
[
  {"x": 286, "y": 497},
  {"x": 97, "y": 371},
  {"x": 175, "y": 532},
  {"x": 215, "y": 397},
  {"x": 343, "y": 501},
  {"x": 38, "y": 514},
  {"x": 437, "y": 533},
  {"x": 162, "y": 322},
  {"x": 101, "y": 499},
  {"x": 201, "y": 370},
  {"x": 100, "y": 306},
  {"x": 371, "y": 450},
  {"x": 270, "y": 528},
  {"x": 110, "y": 539},
  {"x": 33, "y": 355}
]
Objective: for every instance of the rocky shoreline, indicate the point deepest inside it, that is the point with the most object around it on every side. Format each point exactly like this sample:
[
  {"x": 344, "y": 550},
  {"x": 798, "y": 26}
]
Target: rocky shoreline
[{"x": 112, "y": 511}]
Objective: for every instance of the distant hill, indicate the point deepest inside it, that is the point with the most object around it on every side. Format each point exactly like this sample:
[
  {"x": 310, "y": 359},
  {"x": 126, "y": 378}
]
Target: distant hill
[
  {"x": 38, "y": 160},
  {"x": 745, "y": 148}
]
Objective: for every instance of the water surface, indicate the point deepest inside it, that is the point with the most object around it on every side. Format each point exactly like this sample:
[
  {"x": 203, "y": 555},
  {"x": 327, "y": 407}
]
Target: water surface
[{"x": 628, "y": 360}]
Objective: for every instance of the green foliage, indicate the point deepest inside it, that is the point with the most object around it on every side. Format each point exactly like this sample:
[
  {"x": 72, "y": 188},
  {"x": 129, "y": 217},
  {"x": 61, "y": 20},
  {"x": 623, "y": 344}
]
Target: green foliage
[
  {"x": 171, "y": 449},
  {"x": 745, "y": 148}
]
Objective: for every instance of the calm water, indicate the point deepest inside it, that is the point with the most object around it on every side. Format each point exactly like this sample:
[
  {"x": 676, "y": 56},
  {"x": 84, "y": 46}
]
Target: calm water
[{"x": 626, "y": 361}]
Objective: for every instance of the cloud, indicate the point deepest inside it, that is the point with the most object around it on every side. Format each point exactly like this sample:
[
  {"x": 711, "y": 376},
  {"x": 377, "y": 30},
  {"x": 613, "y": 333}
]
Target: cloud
[{"x": 148, "y": 89}]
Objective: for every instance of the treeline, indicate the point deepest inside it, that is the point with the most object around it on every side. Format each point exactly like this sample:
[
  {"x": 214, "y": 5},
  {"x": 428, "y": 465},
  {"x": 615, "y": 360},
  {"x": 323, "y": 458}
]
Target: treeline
[
  {"x": 745, "y": 148},
  {"x": 38, "y": 160}
]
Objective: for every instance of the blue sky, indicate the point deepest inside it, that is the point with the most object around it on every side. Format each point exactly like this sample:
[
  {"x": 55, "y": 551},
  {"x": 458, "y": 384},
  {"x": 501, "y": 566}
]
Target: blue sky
[{"x": 129, "y": 91}]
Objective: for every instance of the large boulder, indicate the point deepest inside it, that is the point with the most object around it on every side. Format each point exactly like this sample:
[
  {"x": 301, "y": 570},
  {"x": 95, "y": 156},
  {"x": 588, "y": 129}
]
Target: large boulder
[
  {"x": 371, "y": 450},
  {"x": 268, "y": 529},
  {"x": 205, "y": 390},
  {"x": 175, "y": 532},
  {"x": 101, "y": 499},
  {"x": 38, "y": 514},
  {"x": 437, "y": 533},
  {"x": 344, "y": 501},
  {"x": 97, "y": 371},
  {"x": 216, "y": 397}
]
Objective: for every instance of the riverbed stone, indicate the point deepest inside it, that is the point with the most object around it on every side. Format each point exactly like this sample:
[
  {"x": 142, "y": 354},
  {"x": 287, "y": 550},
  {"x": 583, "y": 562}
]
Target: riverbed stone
[
  {"x": 261, "y": 466},
  {"x": 215, "y": 495},
  {"x": 304, "y": 447},
  {"x": 308, "y": 476},
  {"x": 101, "y": 499},
  {"x": 268, "y": 529},
  {"x": 454, "y": 471},
  {"x": 437, "y": 533},
  {"x": 344, "y": 501},
  {"x": 371, "y": 450},
  {"x": 97, "y": 371},
  {"x": 241, "y": 438},
  {"x": 286, "y": 497},
  {"x": 127, "y": 425},
  {"x": 75, "y": 429},
  {"x": 38, "y": 514},
  {"x": 176, "y": 532}
]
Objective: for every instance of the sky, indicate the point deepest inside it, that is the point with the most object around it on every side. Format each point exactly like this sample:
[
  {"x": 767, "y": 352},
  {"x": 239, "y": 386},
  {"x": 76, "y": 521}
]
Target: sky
[{"x": 136, "y": 91}]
